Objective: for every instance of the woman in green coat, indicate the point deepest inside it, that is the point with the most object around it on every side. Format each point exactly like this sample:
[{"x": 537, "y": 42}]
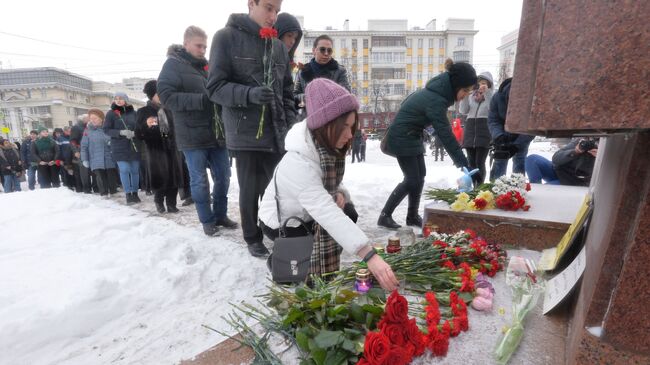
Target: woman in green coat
[{"x": 404, "y": 136}]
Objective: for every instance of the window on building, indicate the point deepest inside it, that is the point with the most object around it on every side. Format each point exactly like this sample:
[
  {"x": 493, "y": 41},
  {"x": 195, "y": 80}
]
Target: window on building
[
  {"x": 461, "y": 56},
  {"x": 29, "y": 94},
  {"x": 388, "y": 41},
  {"x": 420, "y": 60},
  {"x": 419, "y": 75},
  {"x": 68, "y": 110},
  {"x": 441, "y": 43},
  {"x": 365, "y": 91},
  {"x": 344, "y": 43},
  {"x": 365, "y": 76},
  {"x": 354, "y": 44},
  {"x": 365, "y": 43},
  {"x": 399, "y": 89},
  {"x": 43, "y": 93},
  {"x": 409, "y": 43},
  {"x": 420, "y": 43},
  {"x": 431, "y": 42},
  {"x": 409, "y": 75},
  {"x": 365, "y": 59},
  {"x": 461, "y": 41},
  {"x": 44, "y": 110}
]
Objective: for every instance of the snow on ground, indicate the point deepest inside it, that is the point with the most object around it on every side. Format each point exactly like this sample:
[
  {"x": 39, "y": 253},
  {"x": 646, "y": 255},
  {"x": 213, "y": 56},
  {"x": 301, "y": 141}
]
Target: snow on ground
[{"x": 87, "y": 280}]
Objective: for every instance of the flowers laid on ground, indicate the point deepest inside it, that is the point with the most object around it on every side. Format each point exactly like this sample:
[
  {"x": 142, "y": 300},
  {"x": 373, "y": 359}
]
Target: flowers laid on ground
[
  {"x": 506, "y": 193},
  {"x": 266, "y": 33},
  {"x": 330, "y": 323}
]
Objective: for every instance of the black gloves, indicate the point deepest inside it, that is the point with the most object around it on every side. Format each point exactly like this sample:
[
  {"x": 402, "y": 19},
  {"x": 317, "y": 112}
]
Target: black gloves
[
  {"x": 501, "y": 140},
  {"x": 260, "y": 95}
]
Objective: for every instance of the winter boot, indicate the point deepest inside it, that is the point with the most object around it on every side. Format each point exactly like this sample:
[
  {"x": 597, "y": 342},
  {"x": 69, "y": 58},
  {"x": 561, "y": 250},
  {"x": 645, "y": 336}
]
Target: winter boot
[
  {"x": 226, "y": 222},
  {"x": 160, "y": 207},
  {"x": 210, "y": 229},
  {"x": 172, "y": 209},
  {"x": 413, "y": 218},
  {"x": 135, "y": 197},
  {"x": 387, "y": 221},
  {"x": 129, "y": 199}
]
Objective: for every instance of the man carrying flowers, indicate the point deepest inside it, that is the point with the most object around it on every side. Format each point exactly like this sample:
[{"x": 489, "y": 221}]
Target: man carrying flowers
[{"x": 249, "y": 76}]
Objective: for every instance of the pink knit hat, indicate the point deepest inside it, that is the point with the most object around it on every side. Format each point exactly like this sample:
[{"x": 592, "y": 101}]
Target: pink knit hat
[{"x": 326, "y": 101}]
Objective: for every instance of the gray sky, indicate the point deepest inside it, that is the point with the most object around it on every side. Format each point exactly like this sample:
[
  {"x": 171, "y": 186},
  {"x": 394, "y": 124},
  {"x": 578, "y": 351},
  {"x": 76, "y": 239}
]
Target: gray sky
[{"x": 131, "y": 39}]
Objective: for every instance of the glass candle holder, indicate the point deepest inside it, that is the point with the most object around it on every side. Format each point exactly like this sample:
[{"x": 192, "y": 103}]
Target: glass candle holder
[
  {"x": 393, "y": 245},
  {"x": 427, "y": 229},
  {"x": 406, "y": 236},
  {"x": 363, "y": 281},
  {"x": 379, "y": 248}
]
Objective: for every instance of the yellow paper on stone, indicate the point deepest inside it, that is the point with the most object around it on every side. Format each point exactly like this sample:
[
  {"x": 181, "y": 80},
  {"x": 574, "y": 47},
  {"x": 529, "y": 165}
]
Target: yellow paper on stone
[{"x": 551, "y": 257}]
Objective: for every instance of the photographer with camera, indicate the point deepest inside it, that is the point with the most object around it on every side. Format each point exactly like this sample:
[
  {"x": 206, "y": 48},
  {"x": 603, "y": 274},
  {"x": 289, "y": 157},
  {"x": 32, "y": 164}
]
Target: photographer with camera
[
  {"x": 506, "y": 145},
  {"x": 572, "y": 165}
]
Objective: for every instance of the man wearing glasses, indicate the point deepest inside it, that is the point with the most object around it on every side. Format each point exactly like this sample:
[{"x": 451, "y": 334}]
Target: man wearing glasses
[{"x": 322, "y": 65}]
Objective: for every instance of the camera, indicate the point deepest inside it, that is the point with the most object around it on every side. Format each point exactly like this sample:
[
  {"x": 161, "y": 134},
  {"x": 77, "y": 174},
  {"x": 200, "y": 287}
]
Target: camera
[{"x": 587, "y": 145}]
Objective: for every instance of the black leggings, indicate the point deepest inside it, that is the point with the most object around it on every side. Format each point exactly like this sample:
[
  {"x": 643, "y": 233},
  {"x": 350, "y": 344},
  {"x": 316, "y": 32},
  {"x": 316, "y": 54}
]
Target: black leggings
[
  {"x": 414, "y": 171},
  {"x": 476, "y": 157}
]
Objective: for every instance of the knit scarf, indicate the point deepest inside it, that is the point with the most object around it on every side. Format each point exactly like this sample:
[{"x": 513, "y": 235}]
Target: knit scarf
[{"x": 325, "y": 257}]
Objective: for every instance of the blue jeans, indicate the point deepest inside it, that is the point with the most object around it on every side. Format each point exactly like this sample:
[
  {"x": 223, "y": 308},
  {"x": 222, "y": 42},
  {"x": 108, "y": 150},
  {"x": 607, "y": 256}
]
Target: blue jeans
[
  {"x": 500, "y": 167},
  {"x": 31, "y": 177},
  {"x": 539, "y": 168},
  {"x": 11, "y": 183},
  {"x": 130, "y": 175},
  {"x": 197, "y": 162}
]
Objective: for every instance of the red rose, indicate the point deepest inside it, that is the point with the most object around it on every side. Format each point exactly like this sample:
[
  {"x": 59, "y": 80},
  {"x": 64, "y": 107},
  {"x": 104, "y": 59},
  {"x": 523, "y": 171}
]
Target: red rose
[
  {"x": 376, "y": 348},
  {"x": 363, "y": 361},
  {"x": 268, "y": 33},
  {"x": 398, "y": 356},
  {"x": 396, "y": 308},
  {"x": 395, "y": 333},
  {"x": 415, "y": 337}
]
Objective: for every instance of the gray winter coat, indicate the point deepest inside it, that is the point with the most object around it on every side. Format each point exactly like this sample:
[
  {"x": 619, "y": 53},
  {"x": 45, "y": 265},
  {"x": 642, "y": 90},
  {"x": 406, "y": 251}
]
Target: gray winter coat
[
  {"x": 477, "y": 133},
  {"x": 181, "y": 87},
  {"x": 96, "y": 148},
  {"x": 235, "y": 68}
]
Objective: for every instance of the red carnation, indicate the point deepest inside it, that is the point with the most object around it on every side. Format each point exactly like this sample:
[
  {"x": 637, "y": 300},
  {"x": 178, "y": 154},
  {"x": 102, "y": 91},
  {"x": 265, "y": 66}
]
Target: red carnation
[
  {"x": 457, "y": 251},
  {"x": 450, "y": 265},
  {"x": 396, "y": 308},
  {"x": 376, "y": 348},
  {"x": 455, "y": 327},
  {"x": 480, "y": 203},
  {"x": 268, "y": 33},
  {"x": 415, "y": 338},
  {"x": 206, "y": 67},
  {"x": 527, "y": 186},
  {"x": 467, "y": 285},
  {"x": 439, "y": 344},
  {"x": 439, "y": 243},
  {"x": 471, "y": 233},
  {"x": 117, "y": 112}
]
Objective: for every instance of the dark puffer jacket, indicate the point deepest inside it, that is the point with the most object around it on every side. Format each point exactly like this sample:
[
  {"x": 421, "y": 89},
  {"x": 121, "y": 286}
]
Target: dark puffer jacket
[
  {"x": 421, "y": 109},
  {"x": 10, "y": 163},
  {"x": 572, "y": 168},
  {"x": 288, "y": 23},
  {"x": 332, "y": 70},
  {"x": 182, "y": 89},
  {"x": 118, "y": 119},
  {"x": 236, "y": 67},
  {"x": 497, "y": 119}
]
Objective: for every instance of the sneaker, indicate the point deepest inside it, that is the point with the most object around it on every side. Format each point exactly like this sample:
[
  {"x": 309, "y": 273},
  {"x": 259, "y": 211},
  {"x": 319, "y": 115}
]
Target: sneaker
[
  {"x": 172, "y": 209},
  {"x": 210, "y": 230},
  {"x": 257, "y": 249},
  {"x": 227, "y": 223}
]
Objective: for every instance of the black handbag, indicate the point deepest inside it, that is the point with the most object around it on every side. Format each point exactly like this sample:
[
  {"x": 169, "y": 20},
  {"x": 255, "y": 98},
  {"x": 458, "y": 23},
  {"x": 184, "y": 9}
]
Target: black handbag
[{"x": 291, "y": 258}]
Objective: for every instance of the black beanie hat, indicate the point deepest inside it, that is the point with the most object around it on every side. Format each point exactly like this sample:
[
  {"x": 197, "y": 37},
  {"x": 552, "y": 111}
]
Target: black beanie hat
[
  {"x": 461, "y": 74},
  {"x": 150, "y": 88}
]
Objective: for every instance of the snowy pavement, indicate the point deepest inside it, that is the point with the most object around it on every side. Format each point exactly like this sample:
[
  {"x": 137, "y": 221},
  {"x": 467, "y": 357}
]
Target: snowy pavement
[{"x": 87, "y": 280}]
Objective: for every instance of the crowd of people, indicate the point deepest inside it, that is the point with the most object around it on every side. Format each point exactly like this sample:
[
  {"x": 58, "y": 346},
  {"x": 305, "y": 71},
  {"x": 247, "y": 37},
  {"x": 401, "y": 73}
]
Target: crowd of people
[{"x": 201, "y": 114}]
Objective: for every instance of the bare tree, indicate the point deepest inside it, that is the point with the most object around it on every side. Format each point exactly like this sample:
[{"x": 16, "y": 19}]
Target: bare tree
[{"x": 377, "y": 95}]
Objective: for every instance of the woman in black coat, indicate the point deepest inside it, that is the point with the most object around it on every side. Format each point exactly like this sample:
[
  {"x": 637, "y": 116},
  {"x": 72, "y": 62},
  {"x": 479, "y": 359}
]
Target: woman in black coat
[{"x": 155, "y": 127}]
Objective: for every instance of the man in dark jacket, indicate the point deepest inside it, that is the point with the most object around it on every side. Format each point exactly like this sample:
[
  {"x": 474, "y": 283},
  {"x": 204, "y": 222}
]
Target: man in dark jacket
[
  {"x": 506, "y": 145},
  {"x": 572, "y": 165},
  {"x": 289, "y": 32},
  {"x": 198, "y": 131},
  {"x": 321, "y": 65},
  {"x": 256, "y": 115},
  {"x": 26, "y": 156}
]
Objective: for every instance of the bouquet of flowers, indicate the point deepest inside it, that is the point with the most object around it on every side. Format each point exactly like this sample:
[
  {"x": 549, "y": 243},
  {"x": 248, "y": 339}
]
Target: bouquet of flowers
[{"x": 506, "y": 193}]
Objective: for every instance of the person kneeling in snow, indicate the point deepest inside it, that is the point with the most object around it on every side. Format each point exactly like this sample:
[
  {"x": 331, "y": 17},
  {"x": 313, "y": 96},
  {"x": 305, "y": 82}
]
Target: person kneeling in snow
[
  {"x": 96, "y": 153},
  {"x": 309, "y": 182}
]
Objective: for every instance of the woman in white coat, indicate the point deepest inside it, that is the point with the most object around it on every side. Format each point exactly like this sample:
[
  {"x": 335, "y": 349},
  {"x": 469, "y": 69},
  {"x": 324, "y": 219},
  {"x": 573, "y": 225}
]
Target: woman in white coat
[{"x": 309, "y": 183}]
